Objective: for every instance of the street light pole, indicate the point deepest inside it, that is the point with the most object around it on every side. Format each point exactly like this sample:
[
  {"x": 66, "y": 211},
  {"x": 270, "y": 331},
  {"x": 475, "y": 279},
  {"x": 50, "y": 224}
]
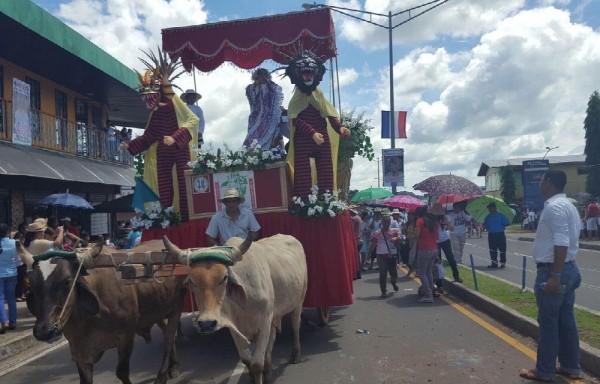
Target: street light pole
[
  {"x": 390, "y": 27},
  {"x": 548, "y": 149}
]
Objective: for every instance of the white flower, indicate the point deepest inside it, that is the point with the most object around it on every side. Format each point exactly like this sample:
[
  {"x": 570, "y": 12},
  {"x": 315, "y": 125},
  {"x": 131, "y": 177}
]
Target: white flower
[
  {"x": 331, "y": 213},
  {"x": 266, "y": 155},
  {"x": 169, "y": 210},
  {"x": 314, "y": 190},
  {"x": 192, "y": 164},
  {"x": 210, "y": 164},
  {"x": 311, "y": 212},
  {"x": 312, "y": 199},
  {"x": 237, "y": 161},
  {"x": 152, "y": 215},
  {"x": 165, "y": 224},
  {"x": 228, "y": 162},
  {"x": 319, "y": 209}
]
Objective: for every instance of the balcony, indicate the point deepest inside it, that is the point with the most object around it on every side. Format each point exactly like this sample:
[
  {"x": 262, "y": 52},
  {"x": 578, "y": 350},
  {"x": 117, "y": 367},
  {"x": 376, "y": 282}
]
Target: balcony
[{"x": 78, "y": 139}]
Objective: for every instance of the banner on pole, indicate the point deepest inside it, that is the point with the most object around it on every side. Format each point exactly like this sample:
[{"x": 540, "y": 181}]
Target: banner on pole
[
  {"x": 393, "y": 167},
  {"x": 400, "y": 132}
]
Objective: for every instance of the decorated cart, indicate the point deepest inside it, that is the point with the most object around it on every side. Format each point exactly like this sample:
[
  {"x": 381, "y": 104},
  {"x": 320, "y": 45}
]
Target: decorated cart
[{"x": 329, "y": 242}]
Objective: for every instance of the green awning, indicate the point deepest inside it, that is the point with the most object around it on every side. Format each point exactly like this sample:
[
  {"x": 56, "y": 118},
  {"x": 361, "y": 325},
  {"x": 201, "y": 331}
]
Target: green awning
[{"x": 36, "y": 19}]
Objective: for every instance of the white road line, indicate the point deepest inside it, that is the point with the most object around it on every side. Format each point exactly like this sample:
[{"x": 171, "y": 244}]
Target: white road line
[
  {"x": 237, "y": 373},
  {"x": 28, "y": 360}
]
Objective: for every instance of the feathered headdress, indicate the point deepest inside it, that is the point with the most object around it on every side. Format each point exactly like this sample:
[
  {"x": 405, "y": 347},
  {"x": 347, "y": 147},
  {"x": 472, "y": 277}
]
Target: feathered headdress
[{"x": 160, "y": 71}]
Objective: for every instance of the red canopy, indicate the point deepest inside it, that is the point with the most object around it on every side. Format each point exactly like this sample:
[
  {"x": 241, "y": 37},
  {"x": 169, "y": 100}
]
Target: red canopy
[{"x": 247, "y": 43}]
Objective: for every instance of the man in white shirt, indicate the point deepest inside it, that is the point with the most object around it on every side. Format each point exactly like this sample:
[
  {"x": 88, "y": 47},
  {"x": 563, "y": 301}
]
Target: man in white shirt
[
  {"x": 459, "y": 218},
  {"x": 554, "y": 250},
  {"x": 233, "y": 221}
]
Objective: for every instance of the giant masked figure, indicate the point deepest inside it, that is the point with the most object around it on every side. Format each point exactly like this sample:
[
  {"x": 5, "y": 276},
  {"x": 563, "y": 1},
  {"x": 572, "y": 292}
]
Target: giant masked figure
[
  {"x": 170, "y": 135},
  {"x": 315, "y": 127}
]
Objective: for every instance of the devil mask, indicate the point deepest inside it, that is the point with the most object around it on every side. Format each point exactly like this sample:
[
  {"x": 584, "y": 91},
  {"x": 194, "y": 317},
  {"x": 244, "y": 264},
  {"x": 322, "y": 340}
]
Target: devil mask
[{"x": 305, "y": 71}]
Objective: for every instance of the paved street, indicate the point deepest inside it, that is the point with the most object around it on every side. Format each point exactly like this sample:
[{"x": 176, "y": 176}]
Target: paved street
[
  {"x": 588, "y": 261},
  {"x": 445, "y": 342}
]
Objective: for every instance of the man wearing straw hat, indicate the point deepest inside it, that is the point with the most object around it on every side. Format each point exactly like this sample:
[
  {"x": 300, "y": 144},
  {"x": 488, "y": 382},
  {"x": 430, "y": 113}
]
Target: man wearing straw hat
[
  {"x": 191, "y": 97},
  {"x": 233, "y": 221}
]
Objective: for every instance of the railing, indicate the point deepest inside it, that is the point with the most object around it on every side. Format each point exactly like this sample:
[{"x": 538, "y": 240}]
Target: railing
[{"x": 51, "y": 132}]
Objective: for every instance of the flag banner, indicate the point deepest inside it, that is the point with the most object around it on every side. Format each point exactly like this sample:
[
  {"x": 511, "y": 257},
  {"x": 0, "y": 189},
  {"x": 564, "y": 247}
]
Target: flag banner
[
  {"x": 400, "y": 132},
  {"x": 142, "y": 194},
  {"x": 393, "y": 167}
]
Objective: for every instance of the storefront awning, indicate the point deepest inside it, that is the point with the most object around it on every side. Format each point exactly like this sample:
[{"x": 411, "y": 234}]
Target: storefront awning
[{"x": 20, "y": 160}]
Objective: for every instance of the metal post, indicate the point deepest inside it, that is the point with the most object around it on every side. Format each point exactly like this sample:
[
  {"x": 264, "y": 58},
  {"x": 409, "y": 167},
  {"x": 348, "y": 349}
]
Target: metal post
[
  {"x": 524, "y": 274},
  {"x": 474, "y": 274},
  {"x": 378, "y": 184},
  {"x": 392, "y": 117}
]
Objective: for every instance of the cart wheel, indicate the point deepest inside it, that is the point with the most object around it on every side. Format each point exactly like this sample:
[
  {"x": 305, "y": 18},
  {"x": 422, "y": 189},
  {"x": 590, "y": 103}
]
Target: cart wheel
[{"x": 324, "y": 315}]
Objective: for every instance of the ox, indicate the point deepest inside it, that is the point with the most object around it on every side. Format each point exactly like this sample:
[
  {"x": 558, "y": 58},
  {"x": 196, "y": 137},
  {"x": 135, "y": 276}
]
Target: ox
[
  {"x": 248, "y": 289},
  {"x": 102, "y": 312}
]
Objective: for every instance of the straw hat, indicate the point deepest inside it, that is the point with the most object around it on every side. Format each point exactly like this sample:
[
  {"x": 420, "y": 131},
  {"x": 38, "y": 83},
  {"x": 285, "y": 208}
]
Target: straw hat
[
  {"x": 66, "y": 218},
  {"x": 437, "y": 209},
  {"x": 38, "y": 225},
  {"x": 189, "y": 93},
  {"x": 232, "y": 194},
  {"x": 395, "y": 211},
  {"x": 386, "y": 212}
]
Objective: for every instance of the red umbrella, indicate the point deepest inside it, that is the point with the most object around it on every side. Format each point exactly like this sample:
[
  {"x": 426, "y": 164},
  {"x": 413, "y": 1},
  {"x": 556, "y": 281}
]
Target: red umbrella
[
  {"x": 451, "y": 199},
  {"x": 404, "y": 201}
]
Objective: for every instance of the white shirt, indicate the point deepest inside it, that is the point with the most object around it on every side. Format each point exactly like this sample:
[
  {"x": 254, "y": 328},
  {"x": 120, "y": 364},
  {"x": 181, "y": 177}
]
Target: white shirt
[
  {"x": 443, "y": 234},
  {"x": 558, "y": 225},
  {"x": 222, "y": 227},
  {"x": 459, "y": 221}
]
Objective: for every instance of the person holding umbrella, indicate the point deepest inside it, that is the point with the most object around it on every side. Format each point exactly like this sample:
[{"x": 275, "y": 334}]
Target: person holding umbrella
[{"x": 495, "y": 223}]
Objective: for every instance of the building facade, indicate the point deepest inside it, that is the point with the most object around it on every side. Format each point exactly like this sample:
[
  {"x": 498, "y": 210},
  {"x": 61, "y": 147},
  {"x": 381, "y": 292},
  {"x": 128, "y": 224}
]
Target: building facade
[
  {"x": 573, "y": 165},
  {"x": 60, "y": 99}
]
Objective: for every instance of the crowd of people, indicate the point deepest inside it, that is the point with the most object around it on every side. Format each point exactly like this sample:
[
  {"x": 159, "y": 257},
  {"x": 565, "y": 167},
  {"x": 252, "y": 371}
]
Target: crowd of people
[{"x": 415, "y": 240}]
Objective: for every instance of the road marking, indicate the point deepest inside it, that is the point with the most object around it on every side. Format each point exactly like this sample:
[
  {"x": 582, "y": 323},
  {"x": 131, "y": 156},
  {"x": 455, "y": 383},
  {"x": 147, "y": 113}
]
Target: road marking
[
  {"x": 495, "y": 331},
  {"x": 33, "y": 358},
  {"x": 237, "y": 373}
]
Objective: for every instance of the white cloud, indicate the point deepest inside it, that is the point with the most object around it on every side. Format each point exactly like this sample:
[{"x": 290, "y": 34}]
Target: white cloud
[{"x": 525, "y": 86}]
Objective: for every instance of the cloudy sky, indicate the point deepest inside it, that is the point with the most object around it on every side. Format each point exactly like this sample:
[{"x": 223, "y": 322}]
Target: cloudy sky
[{"x": 481, "y": 80}]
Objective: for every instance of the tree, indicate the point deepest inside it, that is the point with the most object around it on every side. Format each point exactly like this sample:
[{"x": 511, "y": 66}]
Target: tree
[
  {"x": 507, "y": 180},
  {"x": 591, "y": 124}
]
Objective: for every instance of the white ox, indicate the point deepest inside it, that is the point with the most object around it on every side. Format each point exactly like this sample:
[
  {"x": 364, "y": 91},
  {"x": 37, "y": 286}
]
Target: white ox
[{"x": 249, "y": 291}]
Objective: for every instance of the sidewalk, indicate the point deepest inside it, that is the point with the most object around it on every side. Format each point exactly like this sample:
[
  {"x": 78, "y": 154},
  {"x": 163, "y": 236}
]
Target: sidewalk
[{"x": 530, "y": 236}]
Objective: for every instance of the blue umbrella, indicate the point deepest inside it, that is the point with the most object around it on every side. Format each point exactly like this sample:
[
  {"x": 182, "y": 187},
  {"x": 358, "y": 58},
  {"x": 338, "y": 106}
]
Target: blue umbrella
[{"x": 65, "y": 200}]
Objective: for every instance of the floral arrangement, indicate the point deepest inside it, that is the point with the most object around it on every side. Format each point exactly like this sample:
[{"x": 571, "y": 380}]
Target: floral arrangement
[
  {"x": 359, "y": 142},
  {"x": 244, "y": 159},
  {"x": 155, "y": 217},
  {"x": 317, "y": 205}
]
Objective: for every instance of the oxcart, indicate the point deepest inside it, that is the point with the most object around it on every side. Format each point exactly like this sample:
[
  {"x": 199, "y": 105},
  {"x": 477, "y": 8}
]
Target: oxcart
[{"x": 329, "y": 243}]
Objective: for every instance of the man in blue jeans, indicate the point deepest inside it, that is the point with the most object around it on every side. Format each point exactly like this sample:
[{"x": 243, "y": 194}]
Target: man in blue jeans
[
  {"x": 554, "y": 250},
  {"x": 495, "y": 223}
]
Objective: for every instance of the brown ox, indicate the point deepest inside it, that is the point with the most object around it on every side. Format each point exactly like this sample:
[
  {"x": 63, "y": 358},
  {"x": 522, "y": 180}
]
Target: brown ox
[
  {"x": 249, "y": 291},
  {"x": 103, "y": 312}
]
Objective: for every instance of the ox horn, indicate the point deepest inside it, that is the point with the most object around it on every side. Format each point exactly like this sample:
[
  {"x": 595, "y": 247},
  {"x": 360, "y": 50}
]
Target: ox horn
[
  {"x": 26, "y": 257},
  {"x": 87, "y": 257},
  {"x": 243, "y": 248},
  {"x": 174, "y": 250}
]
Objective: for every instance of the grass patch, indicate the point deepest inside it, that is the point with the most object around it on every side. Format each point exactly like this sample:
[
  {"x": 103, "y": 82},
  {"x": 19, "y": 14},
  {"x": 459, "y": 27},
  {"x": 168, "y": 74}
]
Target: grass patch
[{"x": 524, "y": 303}]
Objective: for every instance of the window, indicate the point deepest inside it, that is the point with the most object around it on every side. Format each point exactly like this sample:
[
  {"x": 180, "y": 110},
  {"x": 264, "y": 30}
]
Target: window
[
  {"x": 2, "y": 102},
  {"x": 61, "y": 118},
  {"x": 35, "y": 103},
  {"x": 81, "y": 122}
]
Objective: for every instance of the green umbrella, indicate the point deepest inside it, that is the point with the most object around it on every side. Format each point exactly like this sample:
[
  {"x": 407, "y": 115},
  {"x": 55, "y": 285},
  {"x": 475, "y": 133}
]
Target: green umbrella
[
  {"x": 371, "y": 194},
  {"x": 478, "y": 207}
]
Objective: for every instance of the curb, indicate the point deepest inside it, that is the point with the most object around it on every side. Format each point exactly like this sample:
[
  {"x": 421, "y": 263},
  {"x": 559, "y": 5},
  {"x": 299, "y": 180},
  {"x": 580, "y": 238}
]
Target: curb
[
  {"x": 17, "y": 345},
  {"x": 589, "y": 356},
  {"x": 593, "y": 247}
]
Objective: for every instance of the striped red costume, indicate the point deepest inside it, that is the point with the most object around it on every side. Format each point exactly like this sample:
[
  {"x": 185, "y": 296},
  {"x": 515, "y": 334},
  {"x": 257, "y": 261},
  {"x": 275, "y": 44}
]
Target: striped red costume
[
  {"x": 309, "y": 122},
  {"x": 163, "y": 122}
]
